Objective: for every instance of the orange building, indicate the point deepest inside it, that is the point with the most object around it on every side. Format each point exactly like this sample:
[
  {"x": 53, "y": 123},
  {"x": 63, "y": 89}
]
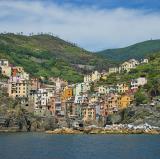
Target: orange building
[
  {"x": 124, "y": 101},
  {"x": 16, "y": 71},
  {"x": 67, "y": 93}
]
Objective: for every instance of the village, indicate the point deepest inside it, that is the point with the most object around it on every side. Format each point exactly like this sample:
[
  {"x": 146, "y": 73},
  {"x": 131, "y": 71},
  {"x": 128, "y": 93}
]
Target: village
[{"x": 80, "y": 102}]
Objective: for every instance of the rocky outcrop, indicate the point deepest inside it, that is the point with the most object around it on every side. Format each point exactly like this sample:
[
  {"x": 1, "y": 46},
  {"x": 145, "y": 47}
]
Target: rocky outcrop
[
  {"x": 64, "y": 131},
  {"x": 137, "y": 115},
  {"x": 115, "y": 129}
]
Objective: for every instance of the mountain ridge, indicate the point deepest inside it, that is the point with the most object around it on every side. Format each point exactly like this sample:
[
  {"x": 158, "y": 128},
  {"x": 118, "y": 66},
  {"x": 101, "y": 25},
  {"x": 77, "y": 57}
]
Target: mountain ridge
[
  {"x": 46, "y": 55},
  {"x": 137, "y": 51}
]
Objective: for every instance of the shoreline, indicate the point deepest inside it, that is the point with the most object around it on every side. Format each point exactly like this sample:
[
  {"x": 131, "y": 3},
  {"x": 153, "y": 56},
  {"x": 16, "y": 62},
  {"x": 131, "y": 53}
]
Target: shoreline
[
  {"x": 86, "y": 131},
  {"x": 68, "y": 131}
]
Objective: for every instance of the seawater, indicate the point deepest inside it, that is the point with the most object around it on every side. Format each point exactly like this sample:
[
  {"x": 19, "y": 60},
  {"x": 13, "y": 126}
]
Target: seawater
[{"x": 44, "y": 146}]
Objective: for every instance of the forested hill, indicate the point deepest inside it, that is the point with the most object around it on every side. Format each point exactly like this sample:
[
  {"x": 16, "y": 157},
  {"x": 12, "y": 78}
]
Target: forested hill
[
  {"x": 46, "y": 55},
  {"x": 138, "y": 51}
]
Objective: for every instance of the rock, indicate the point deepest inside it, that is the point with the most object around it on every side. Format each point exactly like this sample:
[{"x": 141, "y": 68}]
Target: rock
[{"x": 64, "y": 131}]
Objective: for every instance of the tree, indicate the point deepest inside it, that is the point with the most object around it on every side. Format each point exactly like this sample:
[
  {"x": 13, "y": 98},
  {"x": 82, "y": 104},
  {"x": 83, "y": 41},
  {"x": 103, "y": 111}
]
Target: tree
[{"x": 141, "y": 97}]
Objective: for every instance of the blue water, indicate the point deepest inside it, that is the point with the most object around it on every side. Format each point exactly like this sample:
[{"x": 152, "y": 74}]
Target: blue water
[{"x": 43, "y": 146}]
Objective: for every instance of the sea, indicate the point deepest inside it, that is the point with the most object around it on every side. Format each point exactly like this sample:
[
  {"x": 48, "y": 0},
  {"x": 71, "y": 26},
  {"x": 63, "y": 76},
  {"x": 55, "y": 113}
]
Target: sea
[{"x": 46, "y": 146}]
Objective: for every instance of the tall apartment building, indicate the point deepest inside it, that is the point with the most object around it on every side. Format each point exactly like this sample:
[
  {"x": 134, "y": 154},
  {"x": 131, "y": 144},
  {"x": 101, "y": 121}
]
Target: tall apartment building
[{"x": 18, "y": 87}]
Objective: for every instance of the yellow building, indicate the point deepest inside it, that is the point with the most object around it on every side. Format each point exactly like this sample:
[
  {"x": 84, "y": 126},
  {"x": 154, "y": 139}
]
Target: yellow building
[
  {"x": 18, "y": 87},
  {"x": 104, "y": 76},
  {"x": 124, "y": 101},
  {"x": 67, "y": 93}
]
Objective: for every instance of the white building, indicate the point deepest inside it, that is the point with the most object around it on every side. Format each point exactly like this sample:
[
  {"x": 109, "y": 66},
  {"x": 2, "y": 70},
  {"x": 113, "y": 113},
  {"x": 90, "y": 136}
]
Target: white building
[
  {"x": 79, "y": 99},
  {"x": 4, "y": 62},
  {"x": 128, "y": 65},
  {"x": 60, "y": 84},
  {"x": 81, "y": 88},
  {"x": 95, "y": 76},
  {"x": 135, "y": 83},
  {"x": 87, "y": 78},
  {"x": 40, "y": 99},
  {"x": 143, "y": 61},
  {"x": 102, "y": 90},
  {"x": 114, "y": 70},
  {"x": 122, "y": 88},
  {"x": 111, "y": 89}
]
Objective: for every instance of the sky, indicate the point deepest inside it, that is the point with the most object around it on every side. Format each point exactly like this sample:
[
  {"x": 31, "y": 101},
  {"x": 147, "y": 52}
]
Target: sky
[{"x": 92, "y": 24}]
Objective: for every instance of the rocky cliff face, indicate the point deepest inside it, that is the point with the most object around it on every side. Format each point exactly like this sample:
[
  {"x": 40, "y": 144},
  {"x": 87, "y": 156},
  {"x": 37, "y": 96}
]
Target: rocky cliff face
[{"x": 137, "y": 115}]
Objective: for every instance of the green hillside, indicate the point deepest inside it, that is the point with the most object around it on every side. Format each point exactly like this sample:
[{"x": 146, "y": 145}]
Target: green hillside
[
  {"x": 138, "y": 51},
  {"x": 151, "y": 71},
  {"x": 46, "y": 55}
]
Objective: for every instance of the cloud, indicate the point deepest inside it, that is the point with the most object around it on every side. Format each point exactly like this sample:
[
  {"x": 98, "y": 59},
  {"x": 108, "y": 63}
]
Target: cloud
[{"x": 90, "y": 27}]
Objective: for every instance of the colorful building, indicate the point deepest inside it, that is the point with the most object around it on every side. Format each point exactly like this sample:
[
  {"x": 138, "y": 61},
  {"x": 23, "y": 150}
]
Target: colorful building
[
  {"x": 5, "y": 70},
  {"x": 18, "y": 87},
  {"x": 102, "y": 90},
  {"x": 122, "y": 87},
  {"x": 124, "y": 101},
  {"x": 128, "y": 65},
  {"x": 136, "y": 83},
  {"x": 4, "y": 62},
  {"x": 88, "y": 113},
  {"x": 114, "y": 70},
  {"x": 67, "y": 93}
]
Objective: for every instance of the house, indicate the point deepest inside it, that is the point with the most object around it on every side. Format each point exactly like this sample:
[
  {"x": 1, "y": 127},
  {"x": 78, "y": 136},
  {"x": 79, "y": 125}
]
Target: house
[
  {"x": 143, "y": 61},
  {"x": 111, "y": 89},
  {"x": 134, "y": 62},
  {"x": 35, "y": 83},
  {"x": 5, "y": 70},
  {"x": 41, "y": 100},
  {"x": 135, "y": 83},
  {"x": 19, "y": 72},
  {"x": 4, "y": 62},
  {"x": 51, "y": 105},
  {"x": 102, "y": 90},
  {"x": 95, "y": 76},
  {"x": 81, "y": 88},
  {"x": 87, "y": 78},
  {"x": 16, "y": 71},
  {"x": 58, "y": 106},
  {"x": 18, "y": 87},
  {"x": 79, "y": 99},
  {"x": 122, "y": 88},
  {"x": 60, "y": 84},
  {"x": 128, "y": 65},
  {"x": 114, "y": 70},
  {"x": 124, "y": 101},
  {"x": 104, "y": 75},
  {"x": 110, "y": 103},
  {"x": 71, "y": 110},
  {"x": 88, "y": 113},
  {"x": 93, "y": 98},
  {"x": 67, "y": 92}
]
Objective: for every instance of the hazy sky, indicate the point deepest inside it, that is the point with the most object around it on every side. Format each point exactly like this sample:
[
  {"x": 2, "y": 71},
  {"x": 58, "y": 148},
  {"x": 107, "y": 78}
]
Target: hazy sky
[{"x": 92, "y": 24}]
